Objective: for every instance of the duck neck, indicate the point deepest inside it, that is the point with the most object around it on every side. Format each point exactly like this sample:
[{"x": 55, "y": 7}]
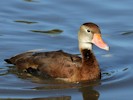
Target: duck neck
[
  {"x": 87, "y": 55},
  {"x": 85, "y": 49},
  {"x": 88, "y": 59},
  {"x": 90, "y": 68},
  {"x": 89, "y": 64}
]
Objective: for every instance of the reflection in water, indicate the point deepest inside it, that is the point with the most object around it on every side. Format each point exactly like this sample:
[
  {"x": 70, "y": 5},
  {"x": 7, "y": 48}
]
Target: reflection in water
[
  {"x": 54, "y": 98},
  {"x": 127, "y": 33},
  {"x": 85, "y": 88},
  {"x": 30, "y": 0},
  {"x": 24, "y": 21},
  {"x": 63, "y": 89},
  {"x": 47, "y": 98},
  {"x": 89, "y": 93},
  {"x": 53, "y": 31}
]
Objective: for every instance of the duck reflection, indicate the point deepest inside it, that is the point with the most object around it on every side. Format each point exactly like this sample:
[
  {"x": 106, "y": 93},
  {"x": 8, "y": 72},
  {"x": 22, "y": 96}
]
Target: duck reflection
[
  {"x": 89, "y": 93},
  {"x": 65, "y": 90},
  {"x": 54, "y": 98}
]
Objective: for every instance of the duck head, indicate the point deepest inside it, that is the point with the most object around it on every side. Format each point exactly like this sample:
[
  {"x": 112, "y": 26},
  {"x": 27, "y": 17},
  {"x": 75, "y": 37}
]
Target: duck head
[{"x": 90, "y": 34}]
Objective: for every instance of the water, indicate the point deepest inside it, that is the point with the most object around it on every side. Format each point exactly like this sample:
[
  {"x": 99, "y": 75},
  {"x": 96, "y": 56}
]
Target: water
[{"x": 53, "y": 25}]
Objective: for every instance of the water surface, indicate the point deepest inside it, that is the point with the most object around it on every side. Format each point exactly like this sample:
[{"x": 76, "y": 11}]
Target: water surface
[{"x": 53, "y": 25}]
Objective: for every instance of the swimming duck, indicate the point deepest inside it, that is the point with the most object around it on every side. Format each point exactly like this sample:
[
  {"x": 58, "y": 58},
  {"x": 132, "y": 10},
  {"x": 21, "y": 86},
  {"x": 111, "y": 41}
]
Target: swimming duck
[{"x": 64, "y": 66}]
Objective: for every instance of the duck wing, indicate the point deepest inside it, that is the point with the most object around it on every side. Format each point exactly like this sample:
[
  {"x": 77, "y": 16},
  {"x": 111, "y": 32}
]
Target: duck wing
[{"x": 54, "y": 64}]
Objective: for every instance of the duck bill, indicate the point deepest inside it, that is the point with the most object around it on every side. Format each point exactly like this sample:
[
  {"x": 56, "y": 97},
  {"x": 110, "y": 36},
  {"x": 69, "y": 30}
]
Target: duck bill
[{"x": 98, "y": 41}]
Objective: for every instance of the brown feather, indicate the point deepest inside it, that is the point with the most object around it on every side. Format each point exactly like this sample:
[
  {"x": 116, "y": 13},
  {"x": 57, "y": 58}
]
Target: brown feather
[
  {"x": 58, "y": 64},
  {"x": 61, "y": 65}
]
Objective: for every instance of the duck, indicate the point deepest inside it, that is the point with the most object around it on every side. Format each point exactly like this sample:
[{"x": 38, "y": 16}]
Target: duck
[{"x": 61, "y": 65}]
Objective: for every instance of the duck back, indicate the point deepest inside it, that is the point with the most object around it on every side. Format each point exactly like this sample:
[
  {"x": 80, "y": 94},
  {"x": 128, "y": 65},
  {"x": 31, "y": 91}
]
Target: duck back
[{"x": 53, "y": 64}]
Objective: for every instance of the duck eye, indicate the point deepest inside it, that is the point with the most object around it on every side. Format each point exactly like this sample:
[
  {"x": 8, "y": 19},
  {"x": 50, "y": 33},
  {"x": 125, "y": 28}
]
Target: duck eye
[{"x": 88, "y": 31}]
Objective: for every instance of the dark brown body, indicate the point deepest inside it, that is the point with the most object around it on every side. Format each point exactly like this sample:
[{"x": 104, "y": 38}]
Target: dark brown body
[
  {"x": 60, "y": 65},
  {"x": 64, "y": 66}
]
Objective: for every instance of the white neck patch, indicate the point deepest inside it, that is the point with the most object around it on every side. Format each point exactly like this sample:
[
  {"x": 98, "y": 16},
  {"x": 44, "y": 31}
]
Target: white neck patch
[{"x": 85, "y": 45}]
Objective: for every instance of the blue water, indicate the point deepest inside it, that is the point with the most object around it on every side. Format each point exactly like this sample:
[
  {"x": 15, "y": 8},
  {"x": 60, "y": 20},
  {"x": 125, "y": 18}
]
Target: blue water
[{"x": 53, "y": 25}]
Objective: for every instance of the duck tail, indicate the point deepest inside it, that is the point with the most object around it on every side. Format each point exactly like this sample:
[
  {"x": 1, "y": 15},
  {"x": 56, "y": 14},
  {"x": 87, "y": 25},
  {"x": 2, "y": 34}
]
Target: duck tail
[{"x": 8, "y": 61}]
